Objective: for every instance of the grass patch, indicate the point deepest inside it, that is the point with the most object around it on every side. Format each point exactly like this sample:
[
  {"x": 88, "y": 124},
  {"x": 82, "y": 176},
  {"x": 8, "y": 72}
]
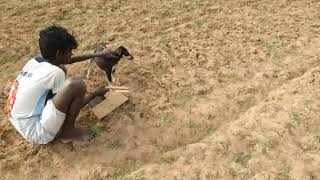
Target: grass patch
[
  {"x": 95, "y": 131},
  {"x": 296, "y": 117},
  {"x": 192, "y": 124},
  {"x": 163, "y": 120}
]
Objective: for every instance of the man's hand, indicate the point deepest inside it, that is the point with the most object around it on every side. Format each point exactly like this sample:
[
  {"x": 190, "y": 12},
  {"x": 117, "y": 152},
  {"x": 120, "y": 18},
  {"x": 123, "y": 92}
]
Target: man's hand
[
  {"x": 100, "y": 91},
  {"x": 106, "y": 53}
]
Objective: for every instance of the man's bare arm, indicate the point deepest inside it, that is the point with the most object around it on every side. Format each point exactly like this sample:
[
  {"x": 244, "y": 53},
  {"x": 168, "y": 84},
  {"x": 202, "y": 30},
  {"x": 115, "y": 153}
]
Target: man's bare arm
[{"x": 79, "y": 58}]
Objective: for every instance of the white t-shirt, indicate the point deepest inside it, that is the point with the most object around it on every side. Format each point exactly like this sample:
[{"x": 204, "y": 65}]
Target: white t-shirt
[{"x": 35, "y": 84}]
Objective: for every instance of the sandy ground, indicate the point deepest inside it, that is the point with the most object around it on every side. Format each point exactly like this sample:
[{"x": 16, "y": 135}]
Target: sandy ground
[{"x": 219, "y": 89}]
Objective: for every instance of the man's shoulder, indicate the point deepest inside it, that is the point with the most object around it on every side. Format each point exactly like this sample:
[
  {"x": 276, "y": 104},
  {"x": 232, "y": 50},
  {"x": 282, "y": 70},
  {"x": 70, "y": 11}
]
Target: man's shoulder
[
  {"x": 48, "y": 68},
  {"x": 42, "y": 68},
  {"x": 38, "y": 62}
]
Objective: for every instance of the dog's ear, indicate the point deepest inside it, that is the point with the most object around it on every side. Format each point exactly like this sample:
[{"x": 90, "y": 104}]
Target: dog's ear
[
  {"x": 119, "y": 51},
  {"x": 122, "y": 51},
  {"x": 127, "y": 54}
]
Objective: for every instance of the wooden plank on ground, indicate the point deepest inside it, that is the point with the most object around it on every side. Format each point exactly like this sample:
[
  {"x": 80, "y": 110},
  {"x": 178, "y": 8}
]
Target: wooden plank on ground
[{"x": 111, "y": 102}]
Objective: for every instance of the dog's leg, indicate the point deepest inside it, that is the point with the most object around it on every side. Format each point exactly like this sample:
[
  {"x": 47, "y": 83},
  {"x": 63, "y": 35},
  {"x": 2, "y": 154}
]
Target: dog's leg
[
  {"x": 110, "y": 85},
  {"x": 108, "y": 82},
  {"x": 88, "y": 71}
]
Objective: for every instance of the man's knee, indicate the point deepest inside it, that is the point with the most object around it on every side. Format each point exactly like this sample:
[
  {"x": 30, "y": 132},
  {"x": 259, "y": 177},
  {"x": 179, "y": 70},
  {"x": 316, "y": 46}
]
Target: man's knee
[{"x": 76, "y": 84}]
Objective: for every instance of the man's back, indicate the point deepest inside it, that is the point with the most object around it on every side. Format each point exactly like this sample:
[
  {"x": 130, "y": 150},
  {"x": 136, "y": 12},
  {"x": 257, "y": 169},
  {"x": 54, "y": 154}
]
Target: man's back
[{"x": 37, "y": 81}]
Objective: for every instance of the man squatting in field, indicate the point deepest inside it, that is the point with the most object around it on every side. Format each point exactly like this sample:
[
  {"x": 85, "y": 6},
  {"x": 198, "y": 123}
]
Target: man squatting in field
[{"x": 42, "y": 104}]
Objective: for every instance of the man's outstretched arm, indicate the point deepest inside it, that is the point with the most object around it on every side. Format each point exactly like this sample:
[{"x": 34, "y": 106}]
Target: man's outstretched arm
[{"x": 83, "y": 57}]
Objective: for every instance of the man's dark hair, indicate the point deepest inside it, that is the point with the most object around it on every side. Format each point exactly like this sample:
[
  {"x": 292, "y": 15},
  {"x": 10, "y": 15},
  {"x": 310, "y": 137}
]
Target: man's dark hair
[{"x": 54, "y": 38}]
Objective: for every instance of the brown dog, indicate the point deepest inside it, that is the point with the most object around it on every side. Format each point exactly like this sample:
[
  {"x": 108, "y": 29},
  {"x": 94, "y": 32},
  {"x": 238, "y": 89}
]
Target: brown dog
[{"x": 109, "y": 63}]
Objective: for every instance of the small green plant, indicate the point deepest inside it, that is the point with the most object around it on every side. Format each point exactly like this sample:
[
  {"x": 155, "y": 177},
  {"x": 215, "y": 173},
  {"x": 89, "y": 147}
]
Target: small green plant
[
  {"x": 95, "y": 131},
  {"x": 192, "y": 124},
  {"x": 163, "y": 120},
  {"x": 296, "y": 117}
]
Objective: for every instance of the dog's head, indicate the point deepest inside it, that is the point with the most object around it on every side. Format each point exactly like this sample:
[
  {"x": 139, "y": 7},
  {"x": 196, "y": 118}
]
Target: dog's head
[{"x": 123, "y": 52}]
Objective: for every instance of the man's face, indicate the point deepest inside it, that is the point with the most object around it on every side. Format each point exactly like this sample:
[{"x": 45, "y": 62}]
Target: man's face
[{"x": 64, "y": 56}]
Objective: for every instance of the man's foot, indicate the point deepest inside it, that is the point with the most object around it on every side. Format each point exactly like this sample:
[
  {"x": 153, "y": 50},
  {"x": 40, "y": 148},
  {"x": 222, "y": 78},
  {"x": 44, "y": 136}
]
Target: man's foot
[{"x": 74, "y": 134}]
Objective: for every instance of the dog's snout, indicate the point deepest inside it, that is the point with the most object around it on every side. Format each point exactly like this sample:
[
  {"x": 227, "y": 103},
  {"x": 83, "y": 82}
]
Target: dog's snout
[{"x": 130, "y": 57}]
